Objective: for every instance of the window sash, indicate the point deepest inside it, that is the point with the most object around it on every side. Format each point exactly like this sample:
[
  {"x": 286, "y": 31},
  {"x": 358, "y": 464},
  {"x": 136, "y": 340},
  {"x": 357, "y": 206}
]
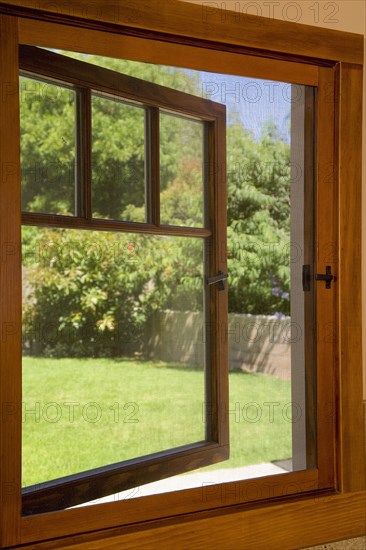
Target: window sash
[{"x": 86, "y": 486}]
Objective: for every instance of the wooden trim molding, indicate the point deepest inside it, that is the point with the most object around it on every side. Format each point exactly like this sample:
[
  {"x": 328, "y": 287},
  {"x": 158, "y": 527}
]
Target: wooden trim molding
[
  {"x": 205, "y": 499},
  {"x": 277, "y": 519},
  {"x": 10, "y": 284},
  {"x": 312, "y": 520},
  {"x": 64, "y": 37},
  {"x": 204, "y": 22},
  {"x": 351, "y": 467},
  {"x": 327, "y": 238}
]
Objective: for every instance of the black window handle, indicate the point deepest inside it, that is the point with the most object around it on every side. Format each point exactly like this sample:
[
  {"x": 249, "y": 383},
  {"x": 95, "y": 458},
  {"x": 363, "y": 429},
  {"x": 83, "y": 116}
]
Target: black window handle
[
  {"x": 219, "y": 279},
  {"x": 328, "y": 277}
]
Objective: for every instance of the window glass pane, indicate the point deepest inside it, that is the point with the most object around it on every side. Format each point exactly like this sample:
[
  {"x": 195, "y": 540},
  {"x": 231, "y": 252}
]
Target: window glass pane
[
  {"x": 47, "y": 127},
  {"x": 109, "y": 370},
  {"x": 272, "y": 350},
  {"x": 271, "y": 338},
  {"x": 181, "y": 171},
  {"x": 118, "y": 160}
]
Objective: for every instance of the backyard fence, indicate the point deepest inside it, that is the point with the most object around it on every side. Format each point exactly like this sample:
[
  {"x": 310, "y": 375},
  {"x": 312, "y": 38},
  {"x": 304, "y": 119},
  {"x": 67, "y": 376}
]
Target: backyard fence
[{"x": 257, "y": 343}]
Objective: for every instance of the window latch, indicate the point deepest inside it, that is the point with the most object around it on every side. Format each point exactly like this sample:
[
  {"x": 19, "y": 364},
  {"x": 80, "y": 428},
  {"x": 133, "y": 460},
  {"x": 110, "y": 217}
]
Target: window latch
[
  {"x": 219, "y": 279},
  {"x": 306, "y": 277},
  {"x": 328, "y": 277}
]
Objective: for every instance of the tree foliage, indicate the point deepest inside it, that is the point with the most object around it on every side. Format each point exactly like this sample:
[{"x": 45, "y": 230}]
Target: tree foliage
[
  {"x": 92, "y": 293},
  {"x": 258, "y": 221},
  {"x": 97, "y": 299}
]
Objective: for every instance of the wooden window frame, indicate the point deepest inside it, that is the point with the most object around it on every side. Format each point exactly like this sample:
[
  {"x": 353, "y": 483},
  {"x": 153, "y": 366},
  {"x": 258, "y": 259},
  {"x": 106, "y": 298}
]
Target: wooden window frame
[
  {"x": 254, "y": 47},
  {"x": 87, "y": 79}
]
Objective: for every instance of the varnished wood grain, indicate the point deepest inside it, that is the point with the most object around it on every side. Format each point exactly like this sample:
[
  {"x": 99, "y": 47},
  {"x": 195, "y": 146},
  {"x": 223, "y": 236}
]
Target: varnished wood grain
[
  {"x": 326, "y": 299},
  {"x": 206, "y": 499},
  {"x": 308, "y": 522},
  {"x": 10, "y": 286},
  {"x": 204, "y": 22},
  {"x": 41, "y": 33},
  {"x": 351, "y": 469}
]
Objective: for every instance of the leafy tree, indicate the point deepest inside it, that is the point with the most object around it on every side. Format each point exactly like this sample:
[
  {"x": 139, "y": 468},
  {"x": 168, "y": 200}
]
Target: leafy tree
[
  {"x": 118, "y": 153},
  {"x": 92, "y": 293},
  {"x": 100, "y": 300},
  {"x": 47, "y": 125},
  {"x": 258, "y": 221}
]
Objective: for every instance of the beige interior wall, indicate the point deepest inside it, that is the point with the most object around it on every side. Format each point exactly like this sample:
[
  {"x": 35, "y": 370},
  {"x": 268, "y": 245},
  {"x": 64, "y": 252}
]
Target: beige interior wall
[{"x": 341, "y": 15}]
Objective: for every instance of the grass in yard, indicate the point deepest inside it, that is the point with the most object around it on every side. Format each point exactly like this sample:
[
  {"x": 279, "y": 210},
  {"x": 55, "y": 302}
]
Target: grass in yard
[{"x": 85, "y": 413}]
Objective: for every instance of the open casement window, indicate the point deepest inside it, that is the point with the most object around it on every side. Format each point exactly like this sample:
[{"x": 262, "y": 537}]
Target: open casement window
[
  {"x": 323, "y": 497},
  {"x": 136, "y": 211}
]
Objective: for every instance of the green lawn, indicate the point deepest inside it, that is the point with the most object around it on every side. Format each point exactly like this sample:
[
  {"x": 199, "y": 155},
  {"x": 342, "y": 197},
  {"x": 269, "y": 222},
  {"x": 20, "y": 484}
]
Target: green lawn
[{"x": 84, "y": 413}]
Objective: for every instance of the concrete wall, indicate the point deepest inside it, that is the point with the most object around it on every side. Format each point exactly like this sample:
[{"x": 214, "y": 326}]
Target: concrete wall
[{"x": 257, "y": 343}]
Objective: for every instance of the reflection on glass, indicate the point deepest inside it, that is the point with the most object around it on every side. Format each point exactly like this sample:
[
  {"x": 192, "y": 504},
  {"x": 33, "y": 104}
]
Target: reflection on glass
[
  {"x": 181, "y": 171},
  {"x": 109, "y": 369},
  {"x": 47, "y": 130},
  {"x": 118, "y": 160}
]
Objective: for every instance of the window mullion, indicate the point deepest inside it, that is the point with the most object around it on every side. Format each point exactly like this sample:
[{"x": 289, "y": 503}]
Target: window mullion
[
  {"x": 84, "y": 154},
  {"x": 152, "y": 165}
]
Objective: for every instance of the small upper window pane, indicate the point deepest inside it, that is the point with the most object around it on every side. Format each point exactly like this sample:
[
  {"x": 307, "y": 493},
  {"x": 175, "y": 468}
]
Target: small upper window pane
[
  {"x": 181, "y": 171},
  {"x": 118, "y": 160},
  {"x": 47, "y": 144}
]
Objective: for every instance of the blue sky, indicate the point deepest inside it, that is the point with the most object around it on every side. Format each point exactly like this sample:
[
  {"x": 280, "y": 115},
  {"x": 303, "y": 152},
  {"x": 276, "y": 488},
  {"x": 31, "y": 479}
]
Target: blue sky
[{"x": 256, "y": 101}]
